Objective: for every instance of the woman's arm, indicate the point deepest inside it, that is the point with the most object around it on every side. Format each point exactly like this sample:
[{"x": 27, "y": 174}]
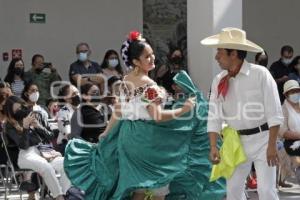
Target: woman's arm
[
  {"x": 291, "y": 135},
  {"x": 161, "y": 115},
  {"x": 116, "y": 114}
]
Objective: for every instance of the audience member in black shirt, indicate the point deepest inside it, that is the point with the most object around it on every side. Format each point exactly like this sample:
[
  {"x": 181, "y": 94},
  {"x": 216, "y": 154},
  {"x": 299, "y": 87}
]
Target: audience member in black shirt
[{"x": 280, "y": 69}]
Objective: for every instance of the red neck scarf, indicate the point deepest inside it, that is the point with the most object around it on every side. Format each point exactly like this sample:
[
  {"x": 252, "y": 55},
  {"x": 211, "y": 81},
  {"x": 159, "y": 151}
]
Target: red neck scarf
[{"x": 224, "y": 82}]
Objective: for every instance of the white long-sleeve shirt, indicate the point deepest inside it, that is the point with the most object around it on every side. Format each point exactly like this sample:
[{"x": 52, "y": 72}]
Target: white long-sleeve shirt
[{"x": 252, "y": 100}]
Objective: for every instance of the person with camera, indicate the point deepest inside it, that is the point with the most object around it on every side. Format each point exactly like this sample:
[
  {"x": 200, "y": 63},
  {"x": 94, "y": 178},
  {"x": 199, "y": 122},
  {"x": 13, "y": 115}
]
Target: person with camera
[
  {"x": 25, "y": 130},
  {"x": 38, "y": 75}
]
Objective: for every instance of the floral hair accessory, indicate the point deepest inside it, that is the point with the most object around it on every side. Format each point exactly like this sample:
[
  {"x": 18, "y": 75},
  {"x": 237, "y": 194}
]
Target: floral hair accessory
[{"x": 134, "y": 35}]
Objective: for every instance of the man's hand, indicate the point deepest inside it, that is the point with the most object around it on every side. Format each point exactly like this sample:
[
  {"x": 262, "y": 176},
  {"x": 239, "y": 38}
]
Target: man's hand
[
  {"x": 272, "y": 156},
  {"x": 214, "y": 155}
]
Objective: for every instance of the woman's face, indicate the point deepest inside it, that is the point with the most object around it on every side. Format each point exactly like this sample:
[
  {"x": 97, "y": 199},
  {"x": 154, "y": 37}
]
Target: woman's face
[
  {"x": 19, "y": 64},
  {"x": 112, "y": 56},
  {"x": 32, "y": 89},
  {"x": 146, "y": 60}
]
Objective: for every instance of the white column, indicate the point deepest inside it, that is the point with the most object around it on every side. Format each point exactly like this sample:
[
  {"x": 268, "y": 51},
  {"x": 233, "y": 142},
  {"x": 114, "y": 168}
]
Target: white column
[{"x": 205, "y": 18}]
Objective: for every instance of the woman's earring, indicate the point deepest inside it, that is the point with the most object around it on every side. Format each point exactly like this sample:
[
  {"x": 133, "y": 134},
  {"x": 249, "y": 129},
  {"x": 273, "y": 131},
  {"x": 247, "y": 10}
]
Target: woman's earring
[{"x": 136, "y": 71}]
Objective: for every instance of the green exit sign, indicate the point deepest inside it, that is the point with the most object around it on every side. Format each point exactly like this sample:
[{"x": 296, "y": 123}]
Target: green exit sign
[{"x": 38, "y": 18}]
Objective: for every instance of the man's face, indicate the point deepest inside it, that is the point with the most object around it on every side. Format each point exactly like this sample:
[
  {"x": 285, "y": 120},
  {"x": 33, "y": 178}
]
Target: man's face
[
  {"x": 287, "y": 55},
  {"x": 223, "y": 58},
  {"x": 38, "y": 63}
]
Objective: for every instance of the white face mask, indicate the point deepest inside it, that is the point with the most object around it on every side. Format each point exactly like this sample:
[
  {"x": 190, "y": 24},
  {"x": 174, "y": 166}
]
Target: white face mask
[
  {"x": 34, "y": 97},
  {"x": 82, "y": 56},
  {"x": 286, "y": 61},
  {"x": 113, "y": 62},
  {"x": 294, "y": 98}
]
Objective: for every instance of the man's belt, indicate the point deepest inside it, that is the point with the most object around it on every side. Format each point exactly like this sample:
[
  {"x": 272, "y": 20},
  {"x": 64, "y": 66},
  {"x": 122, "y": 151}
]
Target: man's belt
[{"x": 252, "y": 131}]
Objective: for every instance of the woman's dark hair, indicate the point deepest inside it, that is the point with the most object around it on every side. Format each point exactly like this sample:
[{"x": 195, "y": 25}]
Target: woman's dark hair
[
  {"x": 105, "y": 62},
  {"x": 240, "y": 53},
  {"x": 10, "y": 71},
  {"x": 34, "y": 57},
  {"x": 26, "y": 88},
  {"x": 9, "y": 103},
  {"x": 172, "y": 49},
  {"x": 50, "y": 100},
  {"x": 135, "y": 50},
  {"x": 294, "y": 63},
  {"x": 63, "y": 92},
  {"x": 84, "y": 89}
]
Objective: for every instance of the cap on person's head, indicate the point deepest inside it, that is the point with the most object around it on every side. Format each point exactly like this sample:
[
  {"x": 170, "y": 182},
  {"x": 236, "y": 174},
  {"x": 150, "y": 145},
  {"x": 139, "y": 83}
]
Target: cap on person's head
[
  {"x": 290, "y": 85},
  {"x": 231, "y": 38}
]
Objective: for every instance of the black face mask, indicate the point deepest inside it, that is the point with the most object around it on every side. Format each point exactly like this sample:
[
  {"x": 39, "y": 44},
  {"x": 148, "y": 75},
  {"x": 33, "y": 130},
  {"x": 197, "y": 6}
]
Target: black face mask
[
  {"x": 177, "y": 60},
  {"x": 22, "y": 113},
  {"x": 95, "y": 98},
  {"x": 19, "y": 71},
  {"x": 76, "y": 100}
]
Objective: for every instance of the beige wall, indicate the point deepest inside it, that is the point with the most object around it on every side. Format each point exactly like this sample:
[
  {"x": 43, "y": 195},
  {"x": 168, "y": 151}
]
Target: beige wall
[
  {"x": 102, "y": 23},
  {"x": 272, "y": 24}
]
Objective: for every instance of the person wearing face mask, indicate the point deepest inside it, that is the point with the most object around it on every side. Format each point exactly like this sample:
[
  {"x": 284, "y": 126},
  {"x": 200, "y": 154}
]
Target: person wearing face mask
[
  {"x": 70, "y": 99},
  {"x": 43, "y": 75},
  {"x": 290, "y": 130},
  {"x": 295, "y": 69},
  {"x": 111, "y": 65},
  {"x": 84, "y": 70},
  {"x": 25, "y": 130},
  {"x": 15, "y": 76},
  {"x": 31, "y": 95},
  {"x": 174, "y": 65},
  {"x": 93, "y": 116},
  {"x": 280, "y": 69}
]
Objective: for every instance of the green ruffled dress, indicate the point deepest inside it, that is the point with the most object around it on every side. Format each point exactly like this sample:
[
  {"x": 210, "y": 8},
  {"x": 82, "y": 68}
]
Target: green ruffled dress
[{"x": 139, "y": 154}]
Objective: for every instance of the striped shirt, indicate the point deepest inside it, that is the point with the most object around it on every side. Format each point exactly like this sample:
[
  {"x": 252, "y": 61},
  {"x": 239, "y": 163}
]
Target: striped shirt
[{"x": 17, "y": 87}]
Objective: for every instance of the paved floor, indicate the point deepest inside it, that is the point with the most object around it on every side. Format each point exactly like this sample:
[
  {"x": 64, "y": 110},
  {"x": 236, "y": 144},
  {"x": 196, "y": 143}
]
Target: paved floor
[{"x": 284, "y": 193}]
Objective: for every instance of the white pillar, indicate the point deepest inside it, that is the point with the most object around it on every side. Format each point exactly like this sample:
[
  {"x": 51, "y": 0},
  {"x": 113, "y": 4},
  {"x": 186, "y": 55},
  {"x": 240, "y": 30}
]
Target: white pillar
[{"x": 205, "y": 18}]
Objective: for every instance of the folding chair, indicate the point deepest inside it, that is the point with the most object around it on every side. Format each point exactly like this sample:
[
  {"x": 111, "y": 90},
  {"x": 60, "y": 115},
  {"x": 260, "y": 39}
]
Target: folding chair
[{"x": 11, "y": 174}]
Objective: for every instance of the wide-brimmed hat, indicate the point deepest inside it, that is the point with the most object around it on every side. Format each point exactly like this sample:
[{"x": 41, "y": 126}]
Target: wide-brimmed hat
[
  {"x": 290, "y": 85},
  {"x": 231, "y": 38}
]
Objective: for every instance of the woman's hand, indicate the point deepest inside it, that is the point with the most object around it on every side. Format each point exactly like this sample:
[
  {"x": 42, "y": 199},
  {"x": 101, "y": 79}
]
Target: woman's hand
[
  {"x": 27, "y": 121},
  {"x": 103, "y": 135}
]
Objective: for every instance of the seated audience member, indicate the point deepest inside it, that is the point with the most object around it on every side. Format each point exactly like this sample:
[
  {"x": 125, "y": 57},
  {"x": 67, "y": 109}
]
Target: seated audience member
[
  {"x": 111, "y": 65},
  {"x": 31, "y": 95},
  {"x": 53, "y": 108},
  {"x": 261, "y": 59},
  {"x": 290, "y": 130},
  {"x": 24, "y": 128},
  {"x": 15, "y": 76},
  {"x": 84, "y": 70},
  {"x": 92, "y": 113},
  {"x": 70, "y": 99},
  {"x": 295, "y": 69},
  {"x": 43, "y": 75}
]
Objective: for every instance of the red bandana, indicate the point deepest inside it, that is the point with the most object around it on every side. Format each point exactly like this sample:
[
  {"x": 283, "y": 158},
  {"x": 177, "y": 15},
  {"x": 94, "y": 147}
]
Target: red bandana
[{"x": 224, "y": 82}]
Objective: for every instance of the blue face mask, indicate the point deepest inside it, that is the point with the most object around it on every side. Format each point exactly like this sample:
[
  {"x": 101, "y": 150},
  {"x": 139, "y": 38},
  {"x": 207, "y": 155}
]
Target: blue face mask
[
  {"x": 294, "y": 98},
  {"x": 82, "y": 56},
  {"x": 113, "y": 62}
]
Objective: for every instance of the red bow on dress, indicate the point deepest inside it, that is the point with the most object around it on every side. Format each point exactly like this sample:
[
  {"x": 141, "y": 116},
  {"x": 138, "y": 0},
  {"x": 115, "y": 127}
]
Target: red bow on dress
[{"x": 224, "y": 82}]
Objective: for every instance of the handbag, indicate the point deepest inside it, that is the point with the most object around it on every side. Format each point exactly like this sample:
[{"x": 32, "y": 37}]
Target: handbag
[{"x": 48, "y": 152}]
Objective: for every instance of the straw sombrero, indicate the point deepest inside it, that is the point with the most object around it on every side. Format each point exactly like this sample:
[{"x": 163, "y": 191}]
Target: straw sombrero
[{"x": 231, "y": 38}]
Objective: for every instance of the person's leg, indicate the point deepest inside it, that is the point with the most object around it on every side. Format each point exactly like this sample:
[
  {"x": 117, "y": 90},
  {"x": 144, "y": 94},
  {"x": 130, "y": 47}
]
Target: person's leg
[
  {"x": 31, "y": 159},
  {"x": 58, "y": 165},
  {"x": 236, "y": 184},
  {"x": 266, "y": 177},
  {"x": 138, "y": 196}
]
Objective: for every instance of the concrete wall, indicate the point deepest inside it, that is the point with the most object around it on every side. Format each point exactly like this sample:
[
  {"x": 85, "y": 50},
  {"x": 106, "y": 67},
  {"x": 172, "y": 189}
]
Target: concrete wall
[
  {"x": 272, "y": 24},
  {"x": 205, "y": 18},
  {"x": 103, "y": 24}
]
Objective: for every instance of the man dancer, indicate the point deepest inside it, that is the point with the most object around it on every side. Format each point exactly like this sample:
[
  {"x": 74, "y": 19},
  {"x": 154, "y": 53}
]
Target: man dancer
[{"x": 245, "y": 96}]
